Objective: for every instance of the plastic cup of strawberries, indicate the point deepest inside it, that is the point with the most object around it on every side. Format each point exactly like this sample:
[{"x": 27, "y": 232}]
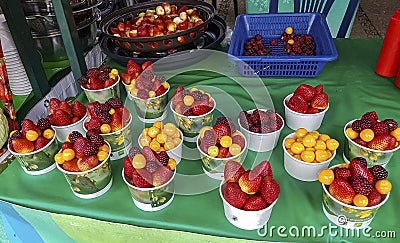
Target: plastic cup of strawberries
[
  {"x": 353, "y": 193},
  {"x": 306, "y": 107},
  {"x": 248, "y": 196},
  {"x": 262, "y": 128},
  {"x": 374, "y": 140},
  {"x": 34, "y": 147}
]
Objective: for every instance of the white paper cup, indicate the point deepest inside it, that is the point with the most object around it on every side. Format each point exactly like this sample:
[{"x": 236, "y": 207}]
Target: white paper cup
[
  {"x": 261, "y": 142},
  {"x": 247, "y": 220},
  {"x": 102, "y": 95},
  {"x": 63, "y": 131},
  {"x": 304, "y": 171},
  {"x": 295, "y": 120}
]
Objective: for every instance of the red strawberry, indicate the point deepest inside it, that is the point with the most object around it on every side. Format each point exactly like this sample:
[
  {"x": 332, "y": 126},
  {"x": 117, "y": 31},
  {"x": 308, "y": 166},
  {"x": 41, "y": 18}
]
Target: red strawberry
[
  {"x": 141, "y": 178},
  {"x": 255, "y": 203},
  {"x": 320, "y": 101},
  {"x": 126, "y": 78},
  {"x": 128, "y": 167},
  {"x": 148, "y": 154},
  {"x": 312, "y": 110},
  {"x": 234, "y": 195},
  {"x": 40, "y": 143},
  {"x": 382, "y": 142},
  {"x": 22, "y": 145},
  {"x": 93, "y": 124},
  {"x": 161, "y": 176},
  {"x": 297, "y": 104},
  {"x": 360, "y": 142},
  {"x": 342, "y": 173},
  {"x": 305, "y": 91},
  {"x": 108, "y": 83},
  {"x": 61, "y": 118},
  {"x": 233, "y": 171},
  {"x": 133, "y": 69},
  {"x": 358, "y": 169},
  {"x": 319, "y": 89},
  {"x": 78, "y": 109},
  {"x": 374, "y": 198},
  {"x": 238, "y": 139},
  {"x": 65, "y": 107},
  {"x": 93, "y": 108},
  {"x": 178, "y": 90},
  {"x": 71, "y": 165},
  {"x": 209, "y": 139},
  {"x": 27, "y": 125},
  {"x": 221, "y": 130},
  {"x": 199, "y": 109},
  {"x": 160, "y": 91},
  {"x": 116, "y": 122},
  {"x": 67, "y": 145},
  {"x": 270, "y": 190},
  {"x": 53, "y": 104},
  {"x": 87, "y": 162},
  {"x": 263, "y": 169},
  {"x": 223, "y": 152},
  {"x": 79, "y": 147},
  {"x": 342, "y": 191},
  {"x": 147, "y": 64},
  {"x": 95, "y": 83},
  {"x": 250, "y": 185}
]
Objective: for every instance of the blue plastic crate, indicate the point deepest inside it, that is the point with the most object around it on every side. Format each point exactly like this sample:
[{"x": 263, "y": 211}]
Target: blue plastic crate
[{"x": 280, "y": 64}]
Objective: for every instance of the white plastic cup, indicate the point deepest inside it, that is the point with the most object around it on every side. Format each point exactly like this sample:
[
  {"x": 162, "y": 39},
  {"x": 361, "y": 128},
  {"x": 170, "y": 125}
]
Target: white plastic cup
[
  {"x": 247, "y": 220},
  {"x": 63, "y": 131},
  {"x": 304, "y": 171},
  {"x": 295, "y": 120},
  {"x": 102, "y": 95},
  {"x": 261, "y": 142}
]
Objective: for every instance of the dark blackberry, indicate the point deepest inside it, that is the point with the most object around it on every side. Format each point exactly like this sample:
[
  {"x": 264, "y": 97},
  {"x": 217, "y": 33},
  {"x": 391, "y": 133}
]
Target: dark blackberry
[
  {"x": 74, "y": 135},
  {"x": 93, "y": 73},
  {"x": 134, "y": 151},
  {"x": 82, "y": 81},
  {"x": 342, "y": 173},
  {"x": 356, "y": 126},
  {"x": 104, "y": 118},
  {"x": 184, "y": 92},
  {"x": 152, "y": 166},
  {"x": 380, "y": 128},
  {"x": 254, "y": 120},
  {"x": 17, "y": 134},
  {"x": 361, "y": 186},
  {"x": 392, "y": 124},
  {"x": 366, "y": 124},
  {"x": 90, "y": 149},
  {"x": 197, "y": 95},
  {"x": 379, "y": 172},
  {"x": 105, "y": 107},
  {"x": 163, "y": 158},
  {"x": 92, "y": 132},
  {"x": 361, "y": 160},
  {"x": 43, "y": 124},
  {"x": 105, "y": 68},
  {"x": 115, "y": 103},
  {"x": 227, "y": 121},
  {"x": 97, "y": 139},
  {"x": 243, "y": 120},
  {"x": 103, "y": 76},
  {"x": 371, "y": 116}
]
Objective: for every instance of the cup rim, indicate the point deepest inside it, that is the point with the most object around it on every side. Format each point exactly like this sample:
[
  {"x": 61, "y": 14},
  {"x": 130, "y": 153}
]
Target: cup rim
[
  {"x": 250, "y": 212},
  {"x": 73, "y": 124},
  {"x": 111, "y": 133},
  {"x": 352, "y": 206},
  {"x": 303, "y": 162},
  {"x": 302, "y": 114},
  {"x": 222, "y": 159},
  {"x": 171, "y": 150},
  {"x": 180, "y": 115},
  {"x": 147, "y": 188},
  {"x": 261, "y": 134},
  {"x": 36, "y": 151},
  {"x": 86, "y": 171},
  {"x": 99, "y": 90},
  {"x": 363, "y": 147},
  {"x": 149, "y": 99}
]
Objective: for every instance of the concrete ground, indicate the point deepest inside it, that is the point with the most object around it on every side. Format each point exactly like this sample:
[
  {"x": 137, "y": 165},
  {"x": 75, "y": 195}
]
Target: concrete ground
[{"x": 371, "y": 19}]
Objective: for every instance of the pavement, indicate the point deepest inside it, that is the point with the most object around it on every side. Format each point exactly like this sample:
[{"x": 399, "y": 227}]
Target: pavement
[{"x": 371, "y": 18}]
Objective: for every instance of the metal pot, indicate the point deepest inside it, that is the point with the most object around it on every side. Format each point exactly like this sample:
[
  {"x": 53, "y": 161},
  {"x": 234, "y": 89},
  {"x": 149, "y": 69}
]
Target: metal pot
[{"x": 45, "y": 7}]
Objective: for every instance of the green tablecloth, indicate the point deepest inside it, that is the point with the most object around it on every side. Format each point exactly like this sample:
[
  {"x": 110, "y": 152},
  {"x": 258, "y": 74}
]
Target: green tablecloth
[{"x": 353, "y": 89}]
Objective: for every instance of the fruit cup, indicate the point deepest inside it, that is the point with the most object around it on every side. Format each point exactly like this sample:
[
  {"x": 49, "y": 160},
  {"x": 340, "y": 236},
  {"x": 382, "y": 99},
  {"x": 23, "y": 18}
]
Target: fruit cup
[
  {"x": 373, "y": 156},
  {"x": 63, "y": 131},
  {"x": 301, "y": 170},
  {"x": 102, "y": 95},
  {"x": 295, "y": 120},
  {"x": 40, "y": 161},
  {"x": 91, "y": 183},
  {"x": 262, "y": 141}
]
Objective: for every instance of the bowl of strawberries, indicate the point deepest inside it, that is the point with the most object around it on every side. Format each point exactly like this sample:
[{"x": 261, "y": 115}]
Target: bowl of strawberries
[
  {"x": 193, "y": 109},
  {"x": 373, "y": 139},
  {"x": 34, "y": 146},
  {"x": 85, "y": 163},
  {"x": 248, "y": 196},
  {"x": 112, "y": 121},
  {"x": 353, "y": 193},
  {"x": 150, "y": 178},
  {"x": 100, "y": 83},
  {"x": 65, "y": 117},
  {"x": 218, "y": 145},
  {"x": 306, "y": 107}
]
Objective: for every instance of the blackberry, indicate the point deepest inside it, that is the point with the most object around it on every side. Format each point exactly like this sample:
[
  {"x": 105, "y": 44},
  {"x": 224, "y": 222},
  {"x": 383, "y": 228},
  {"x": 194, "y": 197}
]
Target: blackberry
[
  {"x": 366, "y": 124},
  {"x": 103, "y": 76},
  {"x": 392, "y": 124},
  {"x": 371, "y": 116},
  {"x": 197, "y": 95},
  {"x": 115, "y": 103},
  {"x": 356, "y": 126},
  {"x": 134, "y": 151},
  {"x": 254, "y": 120},
  {"x": 105, "y": 68},
  {"x": 152, "y": 166},
  {"x": 104, "y": 118},
  {"x": 74, "y": 135},
  {"x": 43, "y": 124},
  {"x": 93, "y": 73},
  {"x": 163, "y": 158},
  {"x": 82, "y": 81},
  {"x": 227, "y": 121},
  {"x": 379, "y": 172},
  {"x": 90, "y": 149},
  {"x": 380, "y": 128},
  {"x": 92, "y": 132},
  {"x": 105, "y": 107},
  {"x": 97, "y": 139},
  {"x": 361, "y": 160},
  {"x": 362, "y": 186},
  {"x": 17, "y": 134},
  {"x": 342, "y": 173},
  {"x": 243, "y": 120}
]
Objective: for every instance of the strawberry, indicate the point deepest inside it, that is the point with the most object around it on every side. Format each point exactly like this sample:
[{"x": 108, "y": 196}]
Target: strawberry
[
  {"x": 79, "y": 147},
  {"x": 177, "y": 91},
  {"x": 361, "y": 142},
  {"x": 116, "y": 122},
  {"x": 238, "y": 139},
  {"x": 148, "y": 154},
  {"x": 93, "y": 108},
  {"x": 126, "y": 78},
  {"x": 269, "y": 189},
  {"x": 209, "y": 139},
  {"x": 312, "y": 110},
  {"x": 161, "y": 176},
  {"x": 93, "y": 124},
  {"x": 221, "y": 130},
  {"x": 95, "y": 83},
  {"x": 40, "y": 143},
  {"x": 160, "y": 91},
  {"x": 22, "y": 145},
  {"x": 27, "y": 125},
  {"x": 319, "y": 88},
  {"x": 156, "y": 85},
  {"x": 141, "y": 178},
  {"x": 320, "y": 101},
  {"x": 255, "y": 203},
  {"x": 234, "y": 195},
  {"x": 65, "y": 107},
  {"x": 374, "y": 198},
  {"x": 358, "y": 169},
  {"x": 342, "y": 191},
  {"x": 233, "y": 171},
  {"x": 53, "y": 104},
  {"x": 250, "y": 185},
  {"x": 71, "y": 165},
  {"x": 223, "y": 152},
  {"x": 87, "y": 162},
  {"x": 382, "y": 142},
  {"x": 67, "y": 145},
  {"x": 133, "y": 69},
  {"x": 297, "y": 104},
  {"x": 147, "y": 64},
  {"x": 74, "y": 119},
  {"x": 78, "y": 109},
  {"x": 305, "y": 91},
  {"x": 108, "y": 83},
  {"x": 199, "y": 109},
  {"x": 61, "y": 118},
  {"x": 263, "y": 169},
  {"x": 128, "y": 167}
]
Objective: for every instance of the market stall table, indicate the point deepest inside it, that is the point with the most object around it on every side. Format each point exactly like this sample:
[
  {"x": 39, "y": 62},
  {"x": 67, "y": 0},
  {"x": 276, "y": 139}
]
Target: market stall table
[{"x": 353, "y": 89}]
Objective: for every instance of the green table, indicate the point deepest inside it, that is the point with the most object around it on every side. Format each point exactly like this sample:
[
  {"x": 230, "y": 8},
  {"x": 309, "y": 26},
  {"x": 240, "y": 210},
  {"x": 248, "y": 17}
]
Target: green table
[{"x": 353, "y": 89}]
